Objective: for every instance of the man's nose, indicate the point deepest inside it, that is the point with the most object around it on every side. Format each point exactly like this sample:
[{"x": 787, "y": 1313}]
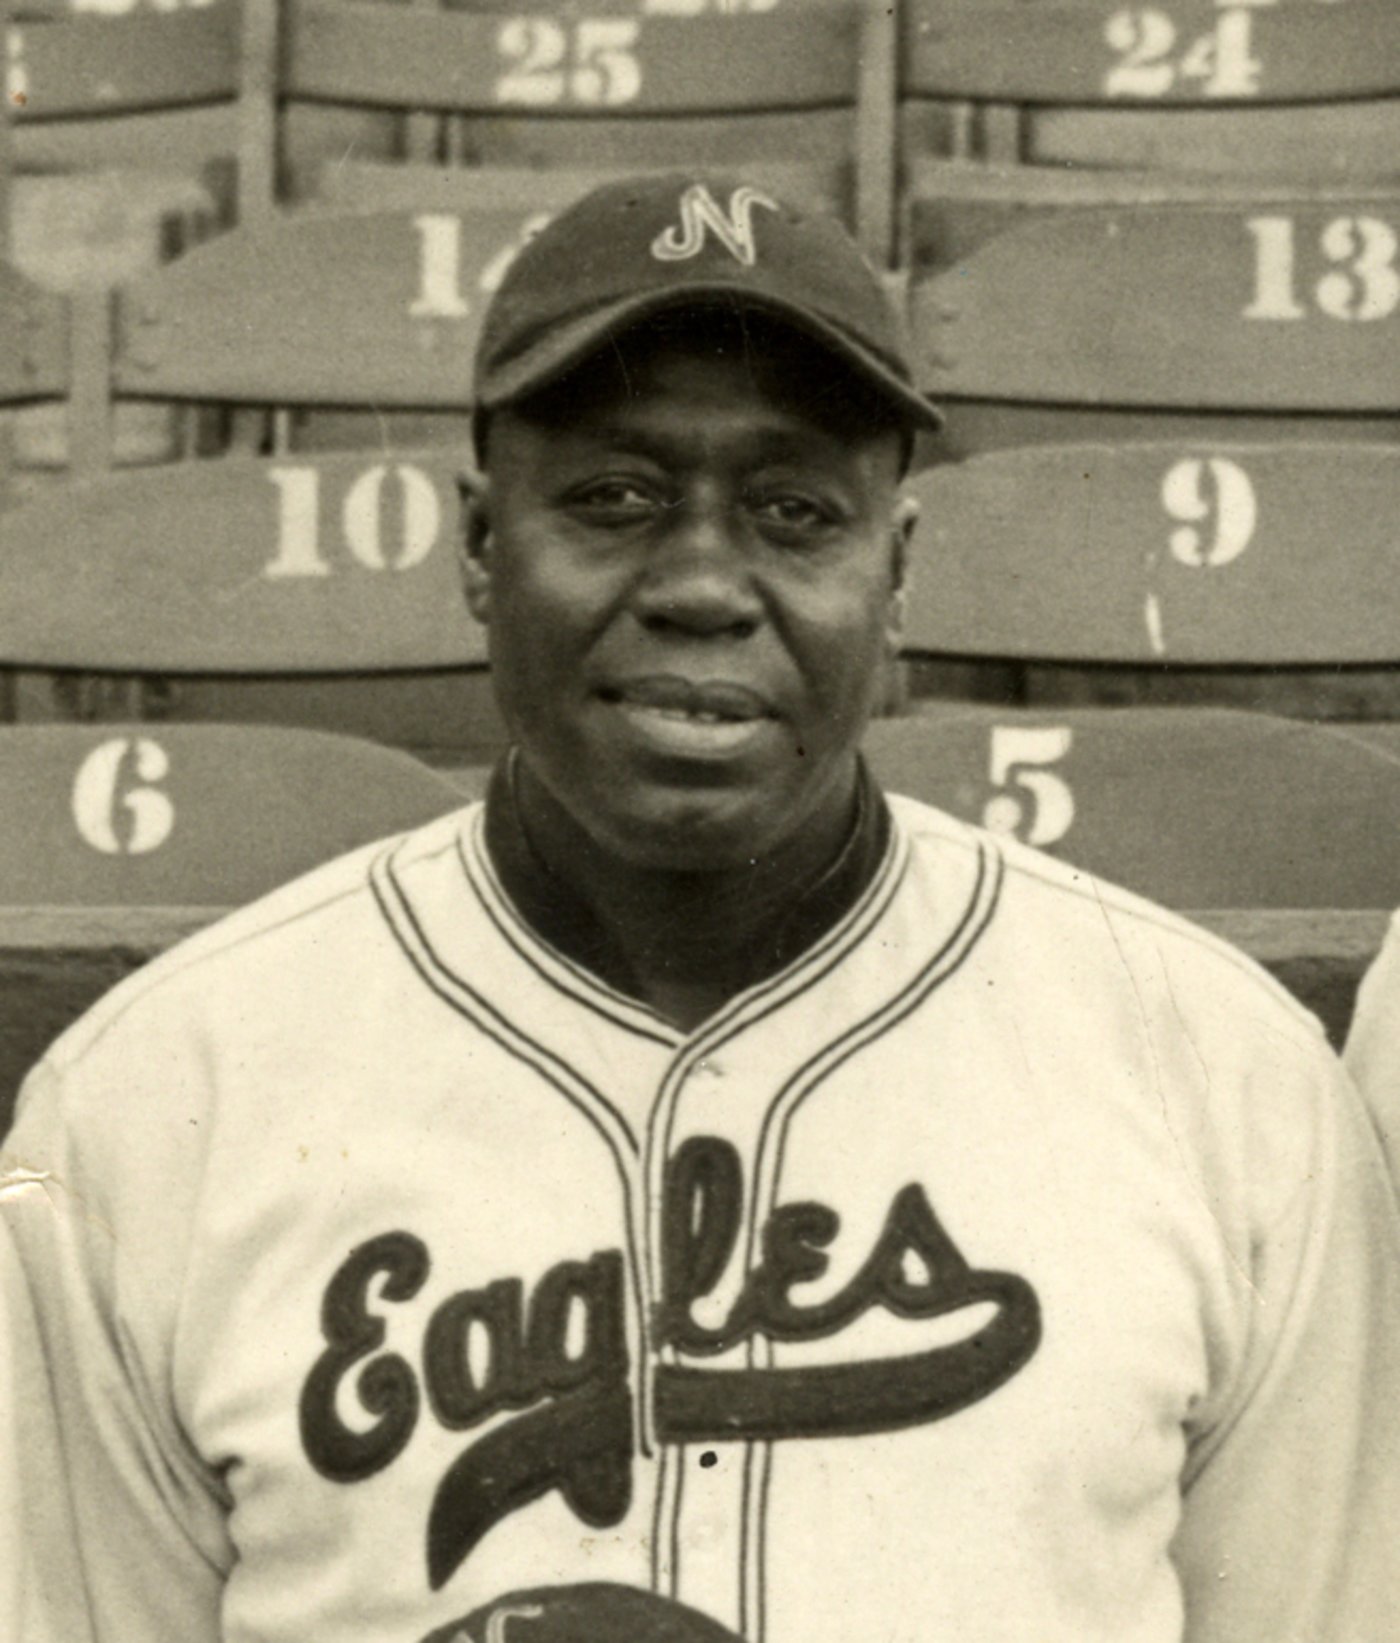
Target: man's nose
[{"x": 699, "y": 578}]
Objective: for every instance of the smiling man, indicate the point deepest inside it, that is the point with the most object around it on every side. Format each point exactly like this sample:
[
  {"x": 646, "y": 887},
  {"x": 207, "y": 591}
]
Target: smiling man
[{"x": 693, "y": 1193}]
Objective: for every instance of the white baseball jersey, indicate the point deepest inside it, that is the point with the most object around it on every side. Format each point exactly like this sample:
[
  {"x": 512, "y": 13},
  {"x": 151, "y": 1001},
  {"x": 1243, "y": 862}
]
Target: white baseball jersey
[
  {"x": 1373, "y": 1044},
  {"x": 1017, "y": 1265}
]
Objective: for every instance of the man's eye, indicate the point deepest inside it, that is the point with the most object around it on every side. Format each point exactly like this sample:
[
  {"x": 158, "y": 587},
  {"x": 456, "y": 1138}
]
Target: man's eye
[
  {"x": 609, "y": 498},
  {"x": 792, "y": 512}
]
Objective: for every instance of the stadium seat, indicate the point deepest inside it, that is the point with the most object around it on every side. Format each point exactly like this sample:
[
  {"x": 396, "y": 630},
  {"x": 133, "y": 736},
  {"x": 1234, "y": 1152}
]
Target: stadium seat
[
  {"x": 1174, "y": 551},
  {"x": 379, "y": 309},
  {"x": 1292, "y": 89},
  {"x": 121, "y": 85},
  {"x": 312, "y": 589},
  {"x": 1179, "y": 51},
  {"x": 112, "y": 113},
  {"x": 191, "y": 816},
  {"x": 1197, "y": 809},
  {"x": 802, "y": 91},
  {"x": 317, "y": 564},
  {"x": 1154, "y": 291}
]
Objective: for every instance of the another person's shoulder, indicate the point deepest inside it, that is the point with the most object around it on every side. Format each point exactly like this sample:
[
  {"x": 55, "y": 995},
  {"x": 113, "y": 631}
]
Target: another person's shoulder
[{"x": 1373, "y": 1044}]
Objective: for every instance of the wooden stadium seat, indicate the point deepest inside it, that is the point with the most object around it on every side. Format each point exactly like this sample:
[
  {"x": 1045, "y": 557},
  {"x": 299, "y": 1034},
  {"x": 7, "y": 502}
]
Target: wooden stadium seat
[
  {"x": 1177, "y": 51},
  {"x": 300, "y": 564},
  {"x": 1174, "y": 551},
  {"x": 110, "y": 115},
  {"x": 311, "y": 588},
  {"x": 546, "y": 59},
  {"x": 1294, "y": 89},
  {"x": 806, "y": 83},
  {"x": 1154, "y": 291},
  {"x": 140, "y": 85},
  {"x": 376, "y": 309},
  {"x": 1193, "y": 808},
  {"x": 193, "y": 816}
]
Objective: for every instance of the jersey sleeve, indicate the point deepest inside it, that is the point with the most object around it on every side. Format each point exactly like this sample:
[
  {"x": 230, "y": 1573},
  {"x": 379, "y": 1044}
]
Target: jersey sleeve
[
  {"x": 120, "y": 1532},
  {"x": 1292, "y": 1492},
  {"x": 1373, "y": 1045}
]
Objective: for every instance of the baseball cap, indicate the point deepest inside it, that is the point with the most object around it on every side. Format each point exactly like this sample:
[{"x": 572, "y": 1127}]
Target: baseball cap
[
  {"x": 593, "y": 1612},
  {"x": 638, "y": 247}
]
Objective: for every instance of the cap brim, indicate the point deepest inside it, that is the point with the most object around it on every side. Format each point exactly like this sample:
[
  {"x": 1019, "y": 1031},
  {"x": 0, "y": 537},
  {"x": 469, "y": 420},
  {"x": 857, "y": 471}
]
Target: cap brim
[{"x": 568, "y": 345}]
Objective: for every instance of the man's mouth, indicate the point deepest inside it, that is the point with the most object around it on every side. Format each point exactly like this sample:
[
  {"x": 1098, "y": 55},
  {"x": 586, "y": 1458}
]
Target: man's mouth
[
  {"x": 708, "y": 718},
  {"x": 712, "y": 701}
]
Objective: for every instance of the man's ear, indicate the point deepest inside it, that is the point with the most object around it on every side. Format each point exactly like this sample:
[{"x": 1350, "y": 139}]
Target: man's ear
[
  {"x": 475, "y": 542},
  {"x": 903, "y": 518}
]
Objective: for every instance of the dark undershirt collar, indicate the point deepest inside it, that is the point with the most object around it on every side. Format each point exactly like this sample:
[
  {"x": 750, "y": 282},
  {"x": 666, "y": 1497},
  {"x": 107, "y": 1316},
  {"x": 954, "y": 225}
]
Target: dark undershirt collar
[{"x": 561, "y": 916}]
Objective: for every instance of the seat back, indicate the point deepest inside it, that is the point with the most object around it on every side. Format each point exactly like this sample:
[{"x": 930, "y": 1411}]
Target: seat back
[
  {"x": 1161, "y": 551},
  {"x": 1194, "y": 808},
  {"x": 1172, "y": 51},
  {"x": 1154, "y": 291},
  {"x": 315, "y": 564},
  {"x": 808, "y": 83},
  {"x": 150, "y": 86},
  {"x": 469, "y": 60},
  {"x": 206, "y": 816}
]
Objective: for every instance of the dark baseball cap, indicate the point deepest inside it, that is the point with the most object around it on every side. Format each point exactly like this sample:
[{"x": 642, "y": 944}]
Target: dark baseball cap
[
  {"x": 644, "y": 245},
  {"x": 593, "y": 1612}
]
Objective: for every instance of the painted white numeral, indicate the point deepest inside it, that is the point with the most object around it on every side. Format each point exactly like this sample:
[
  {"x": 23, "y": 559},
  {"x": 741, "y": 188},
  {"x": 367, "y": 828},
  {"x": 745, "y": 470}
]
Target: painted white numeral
[
  {"x": 1215, "y": 493},
  {"x": 1143, "y": 39},
  {"x": 606, "y": 72},
  {"x": 1018, "y": 755},
  {"x": 440, "y": 293},
  {"x": 1370, "y": 289},
  {"x": 1366, "y": 286},
  {"x": 98, "y": 797},
  {"x": 536, "y": 46},
  {"x": 439, "y": 268},
  {"x": 495, "y": 270},
  {"x": 1273, "y": 270},
  {"x": 419, "y": 514},
  {"x": 1222, "y": 59},
  {"x": 418, "y": 519},
  {"x": 594, "y": 65},
  {"x": 298, "y": 524}
]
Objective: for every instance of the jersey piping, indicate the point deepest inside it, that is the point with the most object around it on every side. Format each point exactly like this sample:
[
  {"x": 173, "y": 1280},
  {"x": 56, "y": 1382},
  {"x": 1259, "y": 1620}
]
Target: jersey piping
[
  {"x": 458, "y": 995},
  {"x": 551, "y": 965}
]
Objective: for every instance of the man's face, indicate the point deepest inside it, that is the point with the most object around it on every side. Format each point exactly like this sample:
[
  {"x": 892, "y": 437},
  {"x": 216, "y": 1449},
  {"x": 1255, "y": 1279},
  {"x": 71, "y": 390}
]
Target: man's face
[{"x": 690, "y": 581}]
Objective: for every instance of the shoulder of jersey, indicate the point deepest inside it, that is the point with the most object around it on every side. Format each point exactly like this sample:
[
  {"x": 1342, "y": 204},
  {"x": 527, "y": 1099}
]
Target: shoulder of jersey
[
  {"x": 316, "y": 895},
  {"x": 1127, "y": 916}
]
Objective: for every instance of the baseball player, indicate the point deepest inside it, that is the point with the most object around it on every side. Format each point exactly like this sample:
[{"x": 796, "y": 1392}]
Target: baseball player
[
  {"x": 693, "y": 1170},
  {"x": 1373, "y": 1044}
]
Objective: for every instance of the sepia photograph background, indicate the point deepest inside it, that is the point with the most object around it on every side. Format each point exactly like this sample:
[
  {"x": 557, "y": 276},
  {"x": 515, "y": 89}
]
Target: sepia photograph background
[{"x": 1148, "y": 258}]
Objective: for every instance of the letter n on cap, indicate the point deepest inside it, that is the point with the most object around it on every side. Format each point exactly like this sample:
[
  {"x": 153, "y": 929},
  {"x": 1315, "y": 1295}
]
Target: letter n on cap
[{"x": 701, "y": 214}]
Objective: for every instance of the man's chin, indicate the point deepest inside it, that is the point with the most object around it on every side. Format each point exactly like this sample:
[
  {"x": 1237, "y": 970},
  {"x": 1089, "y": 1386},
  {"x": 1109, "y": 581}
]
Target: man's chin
[{"x": 688, "y": 837}]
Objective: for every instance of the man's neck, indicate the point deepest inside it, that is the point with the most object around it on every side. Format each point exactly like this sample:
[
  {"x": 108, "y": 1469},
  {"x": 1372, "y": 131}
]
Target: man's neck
[{"x": 683, "y": 942}]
